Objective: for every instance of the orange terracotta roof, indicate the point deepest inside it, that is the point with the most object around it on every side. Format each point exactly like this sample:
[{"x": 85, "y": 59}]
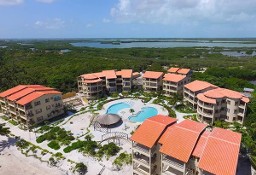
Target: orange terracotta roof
[
  {"x": 203, "y": 98},
  {"x": 12, "y": 90},
  {"x": 30, "y": 97},
  {"x": 220, "y": 155},
  {"x": 26, "y": 93},
  {"x": 90, "y": 76},
  {"x": 183, "y": 71},
  {"x": 197, "y": 152},
  {"x": 173, "y": 69},
  {"x": 152, "y": 74},
  {"x": 213, "y": 94},
  {"x": 92, "y": 81},
  {"x": 99, "y": 74},
  {"x": 135, "y": 73},
  {"x": 110, "y": 74},
  {"x": 151, "y": 129},
  {"x": 125, "y": 73},
  {"x": 198, "y": 85},
  {"x": 245, "y": 99},
  {"x": 182, "y": 139},
  {"x": 232, "y": 94},
  {"x": 173, "y": 77},
  {"x": 166, "y": 134},
  {"x": 20, "y": 94}
]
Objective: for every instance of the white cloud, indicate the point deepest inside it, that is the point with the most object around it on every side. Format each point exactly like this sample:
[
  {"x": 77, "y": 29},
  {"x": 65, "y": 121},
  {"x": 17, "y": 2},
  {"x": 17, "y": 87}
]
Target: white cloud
[
  {"x": 46, "y": 1},
  {"x": 10, "y": 2},
  {"x": 56, "y": 23},
  {"x": 105, "y": 20},
  {"x": 178, "y": 11},
  {"x": 89, "y": 25}
]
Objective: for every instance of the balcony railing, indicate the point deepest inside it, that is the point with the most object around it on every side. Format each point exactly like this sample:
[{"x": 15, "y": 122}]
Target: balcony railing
[
  {"x": 141, "y": 148},
  {"x": 142, "y": 159},
  {"x": 172, "y": 162},
  {"x": 140, "y": 169},
  {"x": 206, "y": 114},
  {"x": 204, "y": 105}
]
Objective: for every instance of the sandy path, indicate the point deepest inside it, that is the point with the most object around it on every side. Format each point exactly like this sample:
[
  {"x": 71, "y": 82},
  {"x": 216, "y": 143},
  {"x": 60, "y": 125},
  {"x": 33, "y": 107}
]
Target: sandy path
[{"x": 13, "y": 162}]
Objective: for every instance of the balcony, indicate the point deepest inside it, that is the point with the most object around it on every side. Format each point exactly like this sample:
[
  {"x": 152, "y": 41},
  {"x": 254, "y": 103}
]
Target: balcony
[
  {"x": 171, "y": 171},
  {"x": 205, "y": 105},
  {"x": 241, "y": 106},
  {"x": 169, "y": 161},
  {"x": 140, "y": 158},
  {"x": 141, "y": 148},
  {"x": 205, "y": 114},
  {"x": 140, "y": 169}
]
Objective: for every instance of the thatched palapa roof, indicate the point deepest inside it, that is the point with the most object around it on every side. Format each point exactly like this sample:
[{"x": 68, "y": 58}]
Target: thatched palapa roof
[{"x": 108, "y": 119}]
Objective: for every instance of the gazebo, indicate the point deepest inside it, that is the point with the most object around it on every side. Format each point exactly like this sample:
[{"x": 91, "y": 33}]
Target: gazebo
[{"x": 106, "y": 121}]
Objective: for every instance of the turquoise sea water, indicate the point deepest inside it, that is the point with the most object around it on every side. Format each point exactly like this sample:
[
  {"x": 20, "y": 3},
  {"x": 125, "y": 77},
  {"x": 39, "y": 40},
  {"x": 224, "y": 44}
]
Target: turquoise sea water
[{"x": 145, "y": 113}]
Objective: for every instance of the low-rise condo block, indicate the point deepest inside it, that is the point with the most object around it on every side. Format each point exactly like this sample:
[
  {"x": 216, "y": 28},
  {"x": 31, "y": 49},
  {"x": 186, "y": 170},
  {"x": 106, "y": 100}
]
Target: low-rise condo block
[
  {"x": 214, "y": 103},
  {"x": 173, "y": 84},
  {"x": 221, "y": 104},
  {"x": 152, "y": 81},
  {"x": 185, "y": 148},
  {"x": 191, "y": 90},
  {"x": 146, "y": 158},
  {"x": 94, "y": 85},
  {"x": 182, "y": 71},
  {"x": 31, "y": 104}
]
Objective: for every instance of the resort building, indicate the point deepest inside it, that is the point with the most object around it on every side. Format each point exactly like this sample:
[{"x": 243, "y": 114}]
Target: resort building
[
  {"x": 152, "y": 81},
  {"x": 185, "y": 148},
  {"x": 173, "y": 84},
  {"x": 191, "y": 90},
  {"x": 31, "y": 104},
  {"x": 221, "y": 104},
  {"x": 94, "y": 85},
  {"x": 146, "y": 158},
  {"x": 182, "y": 71}
]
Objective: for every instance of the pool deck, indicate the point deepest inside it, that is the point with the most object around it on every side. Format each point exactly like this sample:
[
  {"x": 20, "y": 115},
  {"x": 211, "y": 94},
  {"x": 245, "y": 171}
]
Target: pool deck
[{"x": 136, "y": 105}]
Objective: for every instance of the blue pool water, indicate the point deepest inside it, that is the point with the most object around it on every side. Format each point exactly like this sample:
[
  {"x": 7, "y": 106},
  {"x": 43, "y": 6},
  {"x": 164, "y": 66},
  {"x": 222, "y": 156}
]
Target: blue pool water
[
  {"x": 145, "y": 113},
  {"x": 113, "y": 109}
]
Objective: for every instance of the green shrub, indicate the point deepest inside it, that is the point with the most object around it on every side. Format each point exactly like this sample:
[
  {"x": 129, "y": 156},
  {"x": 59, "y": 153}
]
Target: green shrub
[
  {"x": 40, "y": 139},
  {"x": 122, "y": 159},
  {"x": 54, "y": 145},
  {"x": 81, "y": 168},
  {"x": 13, "y": 122},
  {"x": 22, "y": 144},
  {"x": 5, "y": 118},
  {"x": 110, "y": 149}
]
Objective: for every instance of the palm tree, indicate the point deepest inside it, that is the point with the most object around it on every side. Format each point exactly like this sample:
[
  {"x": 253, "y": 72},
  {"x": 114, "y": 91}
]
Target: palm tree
[
  {"x": 81, "y": 168},
  {"x": 4, "y": 130}
]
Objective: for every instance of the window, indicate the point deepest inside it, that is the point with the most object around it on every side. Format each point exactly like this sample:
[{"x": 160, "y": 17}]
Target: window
[
  {"x": 48, "y": 107},
  {"x": 228, "y": 110},
  {"x": 228, "y": 101},
  {"x": 38, "y": 111},
  {"x": 40, "y": 118},
  {"x": 47, "y": 100},
  {"x": 37, "y": 103},
  {"x": 236, "y": 103},
  {"x": 56, "y": 98}
]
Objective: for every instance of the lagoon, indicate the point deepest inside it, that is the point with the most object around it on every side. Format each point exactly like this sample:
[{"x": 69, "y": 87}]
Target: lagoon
[{"x": 163, "y": 43}]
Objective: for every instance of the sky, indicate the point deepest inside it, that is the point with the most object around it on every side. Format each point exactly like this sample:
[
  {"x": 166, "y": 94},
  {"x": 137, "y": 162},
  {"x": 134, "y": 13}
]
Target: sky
[{"x": 127, "y": 18}]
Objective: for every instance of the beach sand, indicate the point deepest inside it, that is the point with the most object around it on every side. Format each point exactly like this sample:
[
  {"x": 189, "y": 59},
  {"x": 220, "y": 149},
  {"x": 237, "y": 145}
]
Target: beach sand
[{"x": 13, "y": 162}]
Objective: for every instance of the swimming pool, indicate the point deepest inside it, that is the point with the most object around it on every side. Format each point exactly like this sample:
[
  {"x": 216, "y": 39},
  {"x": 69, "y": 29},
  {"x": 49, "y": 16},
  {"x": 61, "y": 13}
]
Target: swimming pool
[
  {"x": 146, "y": 112},
  {"x": 113, "y": 109}
]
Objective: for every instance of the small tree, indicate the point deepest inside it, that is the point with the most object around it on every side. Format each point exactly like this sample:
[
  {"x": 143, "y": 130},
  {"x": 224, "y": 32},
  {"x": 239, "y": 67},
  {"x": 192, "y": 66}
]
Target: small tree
[
  {"x": 4, "y": 130},
  {"x": 81, "y": 168}
]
